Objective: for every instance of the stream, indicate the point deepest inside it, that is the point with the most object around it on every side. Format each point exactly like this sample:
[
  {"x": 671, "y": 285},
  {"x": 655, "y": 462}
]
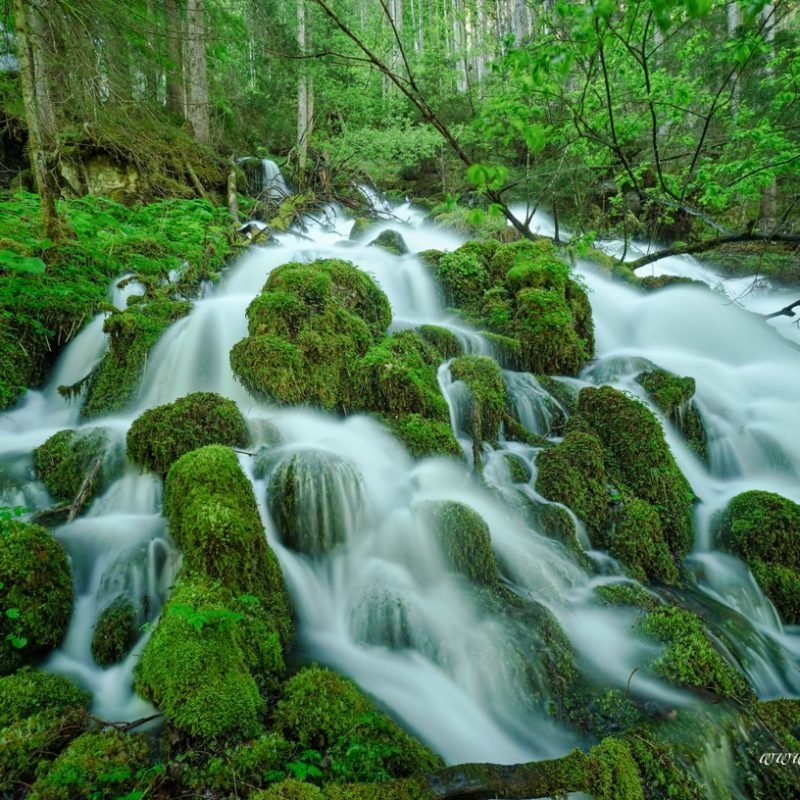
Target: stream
[{"x": 382, "y": 608}]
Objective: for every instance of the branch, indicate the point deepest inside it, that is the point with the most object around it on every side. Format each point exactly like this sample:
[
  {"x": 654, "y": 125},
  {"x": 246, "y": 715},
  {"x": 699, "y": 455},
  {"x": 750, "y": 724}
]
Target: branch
[{"x": 787, "y": 311}]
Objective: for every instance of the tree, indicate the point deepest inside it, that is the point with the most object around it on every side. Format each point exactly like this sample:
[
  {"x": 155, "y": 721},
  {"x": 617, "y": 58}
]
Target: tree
[{"x": 197, "y": 100}]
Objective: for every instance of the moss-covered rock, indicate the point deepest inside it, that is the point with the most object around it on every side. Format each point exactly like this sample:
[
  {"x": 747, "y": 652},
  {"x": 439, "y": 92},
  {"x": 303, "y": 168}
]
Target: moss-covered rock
[
  {"x": 573, "y": 473},
  {"x": 115, "y": 632},
  {"x": 763, "y": 529},
  {"x": 214, "y": 520},
  {"x": 322, "y": 711},
  {"x": 307, "y": 330},
  {"x": 160, "y": 436},
  {"x": 132, "y": 334},
  {"x": 443, "y": 340},
  {"x": 208, "y": 661},
  {"x": 626, "y": 594},
  {"x": 614, "y": 772},
  {"x": 96, "y": 766},
  {"x": 424, "y": 437},
  {"x": 69, "y": 457},
  {"x": 487, "y": 391},
  {"x": 690, "y": 659},
  {"x": 463, "y": 277},
  {"x": 289, "y": 789},
  {"x": 316, "y": 500},
  {"x": 464, "y": 540},
  {"x": 673, "y": 395},
  {"x": 398, "y": 377},
  {"x": 28, "y": 692},
  {"x": 35, "y": 594},
  {"x": 638, "y": 459},
  {"x": 360, "y": 229},
  {"x": 392, "y": 241}
]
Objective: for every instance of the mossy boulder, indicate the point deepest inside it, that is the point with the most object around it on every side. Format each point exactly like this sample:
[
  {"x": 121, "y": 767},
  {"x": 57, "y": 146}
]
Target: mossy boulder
[
  {"x": 35, "y": 594},
  {"x": 316, "y": 499},
  {"x": 132, "y": 335},
  {"x": 28, "y": 692},
  {"x": 690, "y": 659},
  {"x": 321, "y": 711},
  {"x": 69, "y": 457},
  {"x": 95, "y": 766},
  {"x": 214, "y": 520},
  {"x": 160, "y": 436},
  {"x": 483, "y": 377},
  {"x": 398, "y": 377},
  {"x": 443, "y": 340},
  {"x": 361, "y": 227},
  {"x": 210, "y": 659},
  {"x": 673, "y": 395},
  {"x": 392, "y": 241},
  {"x": 307, "y": 330},
  {"x": 638, "y": 460},
  {"x": 464, "y": 540},
  {"x": 424, "y": 437},
  {"x": 115, "y": 632},
  {"x": 763, "y": 529},
  {"x": 463, "y": 277}
]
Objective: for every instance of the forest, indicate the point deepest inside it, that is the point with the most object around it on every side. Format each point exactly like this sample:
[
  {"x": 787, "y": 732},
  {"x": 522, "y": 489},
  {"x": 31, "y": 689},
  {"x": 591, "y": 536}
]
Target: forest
[{"x": 398, "y": 399}]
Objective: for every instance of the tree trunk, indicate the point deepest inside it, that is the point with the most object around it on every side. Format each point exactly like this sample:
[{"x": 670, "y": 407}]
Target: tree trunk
[
  {"x": 520, "y": 21},
  {"x": 197, "y": 110},
  {"x": 304, "y": 92},
  {"x": 174, "y": 57},
  {"x": 38, "y": 111}
]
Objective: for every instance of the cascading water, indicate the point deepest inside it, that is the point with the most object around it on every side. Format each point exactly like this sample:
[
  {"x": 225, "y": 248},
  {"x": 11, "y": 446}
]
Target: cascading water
[{"x": 376, "y": 601}]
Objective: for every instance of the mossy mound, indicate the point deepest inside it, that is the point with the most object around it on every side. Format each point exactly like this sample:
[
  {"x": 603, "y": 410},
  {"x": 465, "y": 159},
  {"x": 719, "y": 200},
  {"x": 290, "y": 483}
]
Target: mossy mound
[
  {"x": 321, "y": 711},
  {"x": 638, "y": 459},
  {"x": 463, "y": 276},
  {"x": 160, "y": 436},
  {"x": 214, "y": 520},
  {"x": 69, "y": 457},
  {"x": 289, "y": 790},
  {"x": 398, "y": 377},
  {"x": 392, "y": 241},
  {"x": 690, "y": 659},
  {"x": 626, "y": 594},
  {"x": 316, "y": 500},
  {"x": 487, "y": 391},
  {"x": 35, "y": 594},
  {"x": 96, "y": 766},
  {"x": 132, "y": 333},
  {"x": 444, "y": 341},
  {"x": 28, "y": 692},
  {"x": 763, "y": 529},
  {"x": 673, "y": 395},
  {"x": 424, "y": 437},
  {"x": 464, "y": 540},
  {"x": 115, "y": 632},
  {"x": 208, "y": 661},
  {"x": 360, "y": 228},
  {"x": 307, "y": 330}
]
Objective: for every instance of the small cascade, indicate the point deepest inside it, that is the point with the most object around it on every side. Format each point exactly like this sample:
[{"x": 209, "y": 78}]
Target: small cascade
[
  {"x": 263, "y": 177},
  {"x": 534, "y": 407}
]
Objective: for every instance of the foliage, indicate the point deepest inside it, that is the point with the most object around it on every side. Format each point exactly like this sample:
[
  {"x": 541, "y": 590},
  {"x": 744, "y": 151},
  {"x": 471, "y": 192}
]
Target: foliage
[
  {"x": 161, "y": 435},
  {"x": 35, "y": 593}
]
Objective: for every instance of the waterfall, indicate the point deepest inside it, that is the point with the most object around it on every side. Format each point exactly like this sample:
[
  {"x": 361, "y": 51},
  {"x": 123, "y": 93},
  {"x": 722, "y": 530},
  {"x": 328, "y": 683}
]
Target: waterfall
[{"x": 374, "y": 596}]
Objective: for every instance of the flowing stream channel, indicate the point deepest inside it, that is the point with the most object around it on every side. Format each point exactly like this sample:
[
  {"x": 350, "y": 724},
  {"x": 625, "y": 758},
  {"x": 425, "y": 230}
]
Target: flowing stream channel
[{"x": 382, "y": 608}]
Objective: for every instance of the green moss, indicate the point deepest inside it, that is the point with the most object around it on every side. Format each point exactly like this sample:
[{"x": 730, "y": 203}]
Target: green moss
[
  {"x": 322, "y": 711},
  {"x": 673, "y": 395},
  {"x": 35, "y": 594},
  {"x": 424, "y": 437},
  {"x": 463, "y": 277},
  {"x": 215, "y": 522},
  {"x": 160, "y": 436},
  {"x": 507, "y": 350},
  {"x": 408, "y": 789},
  {"x": 638, "y": 459},
  {"x": 133, "y": 333},
  {"x": 565, "y": 393},
  {"x": 690, "y": 658},
  {"x": 444, "y": 341},
  {"x": 28, "y": 692},
  {"x": 517, "y": 468},
  {"x": 308, "y": 328},
  {"x": 225, "y": 773},
  {"x": 763, "y": 529},
  {"x": 398, "y": 377},
  {"x": 392, "y": 241},
  {"x": 614, "y": 772},
  {"x": 483, "y": 225},
  {"x": 360, "y": 228},
  {"x": 626, "y": 594},
  {"x": 315, "y": 499},
  {"x": 289, "y": 790},
  {"x": 67, "y": 458},
  {"x": 638, "y": 542},
  {"x": 484, "y": 379},
  {"x": 464, "y": 540},
  {"x": 573, "y": 473},
  {"x": 208, "y": 661},
  {"x": 96, "y": 766},
  {"x": 115, "y": 632}
]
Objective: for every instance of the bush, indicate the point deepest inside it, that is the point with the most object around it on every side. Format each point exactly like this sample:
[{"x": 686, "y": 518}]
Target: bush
[
  {"x": 160, "y": 436},
  {"x": 35, "y": 594}
]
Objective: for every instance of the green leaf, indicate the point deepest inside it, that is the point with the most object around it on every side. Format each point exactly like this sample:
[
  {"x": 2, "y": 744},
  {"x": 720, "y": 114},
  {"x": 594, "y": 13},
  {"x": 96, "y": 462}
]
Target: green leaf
[
  {"x": 12, "y": 613},
  {"x": 13, "y": 261}
]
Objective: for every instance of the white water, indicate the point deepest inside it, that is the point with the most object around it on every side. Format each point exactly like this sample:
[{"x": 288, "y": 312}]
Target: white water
[{"x": 383, "y": 609}]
